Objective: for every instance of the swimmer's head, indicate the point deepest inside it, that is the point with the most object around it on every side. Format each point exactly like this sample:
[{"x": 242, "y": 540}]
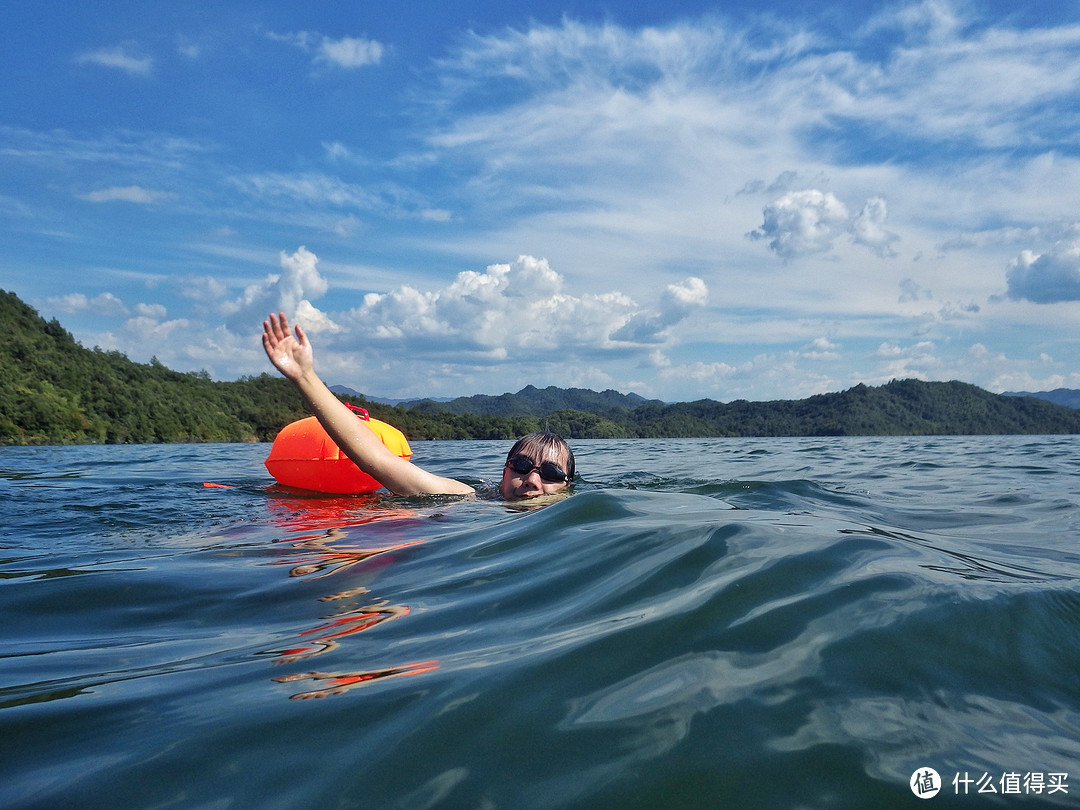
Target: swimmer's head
[{"x": 537, "y": 464}]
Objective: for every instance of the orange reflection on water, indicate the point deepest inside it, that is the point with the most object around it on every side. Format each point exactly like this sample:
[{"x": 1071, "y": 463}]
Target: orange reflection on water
[
  {"x": 341, "y": 682},
  {"x": 323, "y": 549},
  {"x": 342, "y": 625}
]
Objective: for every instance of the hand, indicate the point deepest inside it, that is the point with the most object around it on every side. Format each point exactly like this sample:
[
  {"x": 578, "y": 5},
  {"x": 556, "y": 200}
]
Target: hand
[{"x": 292, "y": 356}]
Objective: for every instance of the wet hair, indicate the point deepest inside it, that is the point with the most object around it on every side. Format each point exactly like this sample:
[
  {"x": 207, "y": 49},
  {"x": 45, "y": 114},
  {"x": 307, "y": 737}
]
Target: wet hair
[{"x": 539, "y": 446}]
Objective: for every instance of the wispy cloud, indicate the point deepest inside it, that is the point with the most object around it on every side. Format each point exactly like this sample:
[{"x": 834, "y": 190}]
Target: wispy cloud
[
  {"x": 103, "y": 304},
  {"x": 308, "y": 188},
  {"x": 131, "y": 194},
  {"x": 120, "y": 57},
  {"x": 345, "y": 53}
]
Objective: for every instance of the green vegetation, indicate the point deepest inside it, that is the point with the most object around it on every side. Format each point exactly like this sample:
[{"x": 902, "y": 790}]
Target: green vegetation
[{"x": 55, "y": 391}]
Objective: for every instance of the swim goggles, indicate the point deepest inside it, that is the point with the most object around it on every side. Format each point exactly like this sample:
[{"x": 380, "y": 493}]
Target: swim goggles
[{"x": 550, "y": 472}]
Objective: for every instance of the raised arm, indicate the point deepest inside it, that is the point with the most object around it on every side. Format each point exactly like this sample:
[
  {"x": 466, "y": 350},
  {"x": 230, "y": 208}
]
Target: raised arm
[{"x": 292, "y": 355}]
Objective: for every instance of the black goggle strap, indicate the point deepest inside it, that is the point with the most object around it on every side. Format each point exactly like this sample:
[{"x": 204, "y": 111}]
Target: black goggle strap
[{"x": 549, "y": 470}]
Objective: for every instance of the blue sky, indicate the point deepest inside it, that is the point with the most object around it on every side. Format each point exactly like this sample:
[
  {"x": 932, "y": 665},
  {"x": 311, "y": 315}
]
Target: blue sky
[{"x": 681, "y": 199}]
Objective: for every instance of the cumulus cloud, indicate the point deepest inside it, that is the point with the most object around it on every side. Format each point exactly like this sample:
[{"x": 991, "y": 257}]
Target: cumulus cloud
[
  {"x": 676, "y": 303},
  {"x": 121, "y": 57},
  {"x": 286, "y": 292},
  {"x": 519, "y": 311},
  {"x": 868, "y": 228},
  {"x": 820, "y": 349},
  {"x": 805, "y": 222},
  {"x": 131, "y": 194},
  {"x": 1049, "y": 277}
]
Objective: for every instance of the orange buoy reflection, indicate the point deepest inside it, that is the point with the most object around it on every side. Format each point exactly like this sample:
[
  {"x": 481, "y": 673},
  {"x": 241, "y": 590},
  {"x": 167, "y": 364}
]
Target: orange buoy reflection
[
  {"x": 323, "y": 529},
  {"x": 340, "y": 682}
]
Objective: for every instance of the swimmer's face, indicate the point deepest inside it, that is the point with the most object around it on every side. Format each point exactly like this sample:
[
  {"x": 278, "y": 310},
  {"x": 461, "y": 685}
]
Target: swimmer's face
[{"x": 526, "y": 476}]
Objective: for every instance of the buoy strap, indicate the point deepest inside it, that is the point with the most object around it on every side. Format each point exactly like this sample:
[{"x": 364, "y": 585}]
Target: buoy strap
[{"x": 360, "y": 412}]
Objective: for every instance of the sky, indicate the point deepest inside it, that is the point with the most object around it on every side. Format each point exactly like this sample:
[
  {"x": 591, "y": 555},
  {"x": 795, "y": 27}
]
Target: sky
[{"x": 684, "y": 200}]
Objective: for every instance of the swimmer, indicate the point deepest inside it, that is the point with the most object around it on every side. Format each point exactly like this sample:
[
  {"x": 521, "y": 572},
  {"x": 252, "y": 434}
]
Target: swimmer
[{"x": 538, "y": 464}]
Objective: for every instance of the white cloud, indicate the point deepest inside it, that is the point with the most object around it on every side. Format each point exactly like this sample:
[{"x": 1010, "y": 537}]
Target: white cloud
[
  {"x": 803, "y": 222},
  {"x": 327, "y": 195},
  {"x": 350, "y": 52},
  {"x": 868, "y": 228},
  {"x": 517, "y": 312},
  {"x": 917, "y": 361},
  {"x": 1049, "y": 277},
  {"x": 820, "y": 349},
  {"x": 307, "y": 188},
  {"x": 436, "y": 215},
  {"x": 155, "y": 311},
  {"x": 150, "y": 332},
  {"x": 335, "y": 150},
  {"x": 346, "y": 53},
  {"x": 708, "y": 375},
  {"x": 301, "y": 278},
  {"x": 346, "y": 226},
  {"x": 676, "y": 303},
  {"x": 187, "y": 47},
  {"x": 131, "y": 194},
  {"x": 105, "y": 304},
  {"x": 205, "y": 289},
  {"x": 672, "y": 108},
  {"x": 929, "y": 20},
  {"x": 120, "y": 57},
  {"x": 286, "y": 292},
  {"x": 312, "y": 319}
]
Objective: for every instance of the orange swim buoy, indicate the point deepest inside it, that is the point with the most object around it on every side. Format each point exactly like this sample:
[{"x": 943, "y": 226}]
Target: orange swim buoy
[{"x": 305, "y": 457}]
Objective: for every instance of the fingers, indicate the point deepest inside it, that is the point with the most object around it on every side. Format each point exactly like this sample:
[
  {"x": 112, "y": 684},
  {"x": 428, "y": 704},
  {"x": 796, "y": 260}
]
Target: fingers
[{"x": 276, "y": 328}]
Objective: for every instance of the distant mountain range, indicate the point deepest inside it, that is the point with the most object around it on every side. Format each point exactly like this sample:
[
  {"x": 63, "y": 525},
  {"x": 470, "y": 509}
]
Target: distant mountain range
[
  {"x": 539, "y": 402},
  {"x": 1069, "y": 397},
  {"x": 902, "y": 407}
]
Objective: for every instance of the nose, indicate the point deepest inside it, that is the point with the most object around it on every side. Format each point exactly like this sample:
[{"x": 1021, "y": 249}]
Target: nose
[{"x": 529, "y": 485}]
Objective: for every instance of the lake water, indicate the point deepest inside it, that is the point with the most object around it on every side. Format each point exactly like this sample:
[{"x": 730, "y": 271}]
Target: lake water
[{"x": 792, "y": 623}]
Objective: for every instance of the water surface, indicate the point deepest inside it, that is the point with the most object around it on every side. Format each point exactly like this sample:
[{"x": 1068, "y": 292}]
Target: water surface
[{"x": 704, "y": 623}]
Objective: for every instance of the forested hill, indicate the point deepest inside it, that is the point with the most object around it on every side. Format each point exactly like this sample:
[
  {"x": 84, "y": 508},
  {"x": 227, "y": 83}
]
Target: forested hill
[
  {"x": 55, "y": 391},
  {"x": 902, "y": 407}
]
